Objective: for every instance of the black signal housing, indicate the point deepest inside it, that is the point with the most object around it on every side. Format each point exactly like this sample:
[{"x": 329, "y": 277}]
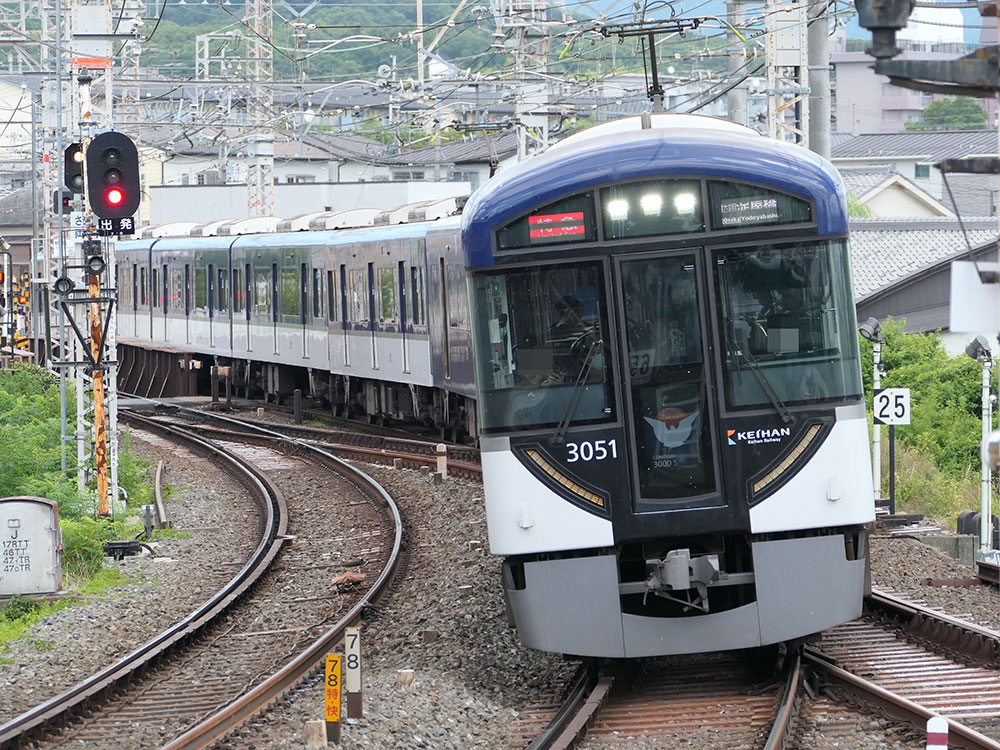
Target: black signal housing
[{"x": 113, "y": 176}]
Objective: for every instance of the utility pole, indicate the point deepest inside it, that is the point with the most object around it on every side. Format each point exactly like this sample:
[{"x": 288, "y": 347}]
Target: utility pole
[
  {"x": 260, "y": 109},
  {"x": 528, "y": 20},
  {"x": 819, "y": 79},
  {"x": 787, "y": 71},
  {"x": 736, "y": 61}
]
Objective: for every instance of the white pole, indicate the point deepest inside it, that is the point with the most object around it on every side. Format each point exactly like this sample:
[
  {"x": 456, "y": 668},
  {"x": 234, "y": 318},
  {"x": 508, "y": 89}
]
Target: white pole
[
  {"x": 986, "y": 507},
  {"x": 937, "y": 733},
  {"x": 876, "y": 432}
]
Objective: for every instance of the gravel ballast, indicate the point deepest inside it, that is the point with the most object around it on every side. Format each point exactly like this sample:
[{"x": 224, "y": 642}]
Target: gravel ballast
[{"x": 444, "y": 618}]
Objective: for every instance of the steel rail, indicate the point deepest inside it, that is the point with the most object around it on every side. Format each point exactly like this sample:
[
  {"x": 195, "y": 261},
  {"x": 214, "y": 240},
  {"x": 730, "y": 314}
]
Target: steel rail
[
  {"x": 371, "y": 455},
  {"x": 585, "y": 697},
  {"x": 975, "y": 641},
  {"x": 894, "y": 704},
  {"x": 213, "y": 727},
  {"x": 42, "y": 717},
  {"x": 780, "y": 736}
]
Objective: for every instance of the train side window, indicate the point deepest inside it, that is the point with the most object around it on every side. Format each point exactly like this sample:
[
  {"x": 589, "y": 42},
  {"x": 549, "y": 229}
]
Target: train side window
[
  {"x": 135, "y": 283},
  {"x": 223, "y": 290},
  {"x": 417, "y": 296},
  {"x": 303, "y": 294},
  {"x": 357, "y": 294},
  {"x": 187, "y": 289},
  {"x": 166, "y": 288},
  {"x": 143, "y": 287},
  {"x": 290, "y": 291},
  {"x": 248, "y": 280},
  {"x": 317, "y": 293},
  {"x": 237, "y": 290},
  {"x": 331, "y": 293},
  {"x": 262, "y": 291},
  {"x": 154, "y": 288},
  {"x": 176, "y": 289},
  {"x": 387, "y": 295},
  {"x": 200, "y": 289}
]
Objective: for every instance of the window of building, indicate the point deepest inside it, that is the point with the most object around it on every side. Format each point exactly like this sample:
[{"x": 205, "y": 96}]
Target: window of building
[{"x": 922, "y": 171}]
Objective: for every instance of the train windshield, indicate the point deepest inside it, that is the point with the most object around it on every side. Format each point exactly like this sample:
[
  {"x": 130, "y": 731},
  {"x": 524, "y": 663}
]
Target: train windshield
[
  {"x": 788, "y": 324},
  {"x": 542, "y": 336}
]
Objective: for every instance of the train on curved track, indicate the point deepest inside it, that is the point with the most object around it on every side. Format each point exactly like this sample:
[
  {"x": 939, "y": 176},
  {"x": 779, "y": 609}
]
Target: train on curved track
[{"x": 649, "y": 329}]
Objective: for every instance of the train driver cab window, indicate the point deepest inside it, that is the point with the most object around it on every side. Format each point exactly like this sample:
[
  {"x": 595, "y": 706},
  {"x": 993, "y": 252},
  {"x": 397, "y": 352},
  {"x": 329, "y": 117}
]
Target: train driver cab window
[
  {"x": 788, "y": 327},
  {"x": 542, "y": 333}
]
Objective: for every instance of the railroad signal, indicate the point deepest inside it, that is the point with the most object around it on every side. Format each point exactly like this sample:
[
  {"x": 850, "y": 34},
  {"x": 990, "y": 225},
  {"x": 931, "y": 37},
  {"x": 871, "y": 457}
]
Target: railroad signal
[
  {"x": 73, "y": 167},
  {"x": 113, "y": 176}
]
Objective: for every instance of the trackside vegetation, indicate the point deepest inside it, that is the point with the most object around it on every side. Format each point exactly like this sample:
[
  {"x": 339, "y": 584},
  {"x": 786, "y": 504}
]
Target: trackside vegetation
[
  {"x": 937, "y": 454},
  {"x": 31, "y": 464}
]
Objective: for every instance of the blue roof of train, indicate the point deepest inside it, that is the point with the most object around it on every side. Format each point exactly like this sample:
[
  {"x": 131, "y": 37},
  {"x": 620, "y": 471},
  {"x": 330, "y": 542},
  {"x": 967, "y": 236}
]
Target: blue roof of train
[{"x": 635, "y": 154}]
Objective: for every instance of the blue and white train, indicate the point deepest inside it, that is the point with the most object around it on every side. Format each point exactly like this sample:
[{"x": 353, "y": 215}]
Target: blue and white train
[{"x": 650, "y": 330}]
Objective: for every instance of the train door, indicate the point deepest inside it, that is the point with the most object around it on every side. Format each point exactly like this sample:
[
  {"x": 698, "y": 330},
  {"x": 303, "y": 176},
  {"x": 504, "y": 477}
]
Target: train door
[
  {"x": 165, "y": 280},
  {"x": 275, "y": 307},
  {"x": 211, "y": 304},
  {"x": 668, "y": 384},
  {"x": 304, "y": 307},
  {"x": 401, "y": 271},
  {"x": 372, "y": 320},
  {"x": 344, "y": 320},
  {"x": 187, "y": 303}
]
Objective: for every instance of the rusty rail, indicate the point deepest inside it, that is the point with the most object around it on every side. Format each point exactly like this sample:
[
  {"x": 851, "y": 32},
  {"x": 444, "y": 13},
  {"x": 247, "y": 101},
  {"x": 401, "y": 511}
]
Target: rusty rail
[{"x": 57, "y": 710}]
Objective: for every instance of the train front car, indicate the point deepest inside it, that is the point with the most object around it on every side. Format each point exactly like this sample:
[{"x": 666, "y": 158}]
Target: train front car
[{"x": 674, "y": 441}]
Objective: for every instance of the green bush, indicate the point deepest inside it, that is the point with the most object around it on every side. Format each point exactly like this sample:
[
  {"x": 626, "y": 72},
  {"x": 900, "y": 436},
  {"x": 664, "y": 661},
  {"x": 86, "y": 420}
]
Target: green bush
[
  {"x": 83, "y": 545},
  {"x": 938, "y": 459}
]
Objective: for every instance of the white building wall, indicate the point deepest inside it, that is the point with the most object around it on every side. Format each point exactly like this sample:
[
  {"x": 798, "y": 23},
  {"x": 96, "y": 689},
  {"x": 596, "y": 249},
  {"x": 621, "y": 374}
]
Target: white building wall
[{"x": 204, "y": 203}]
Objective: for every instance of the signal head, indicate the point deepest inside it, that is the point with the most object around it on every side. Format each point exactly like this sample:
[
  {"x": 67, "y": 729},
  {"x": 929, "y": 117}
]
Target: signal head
[
  {"x": 113, "y": 176},
  {"x": 73, "y": 167}
]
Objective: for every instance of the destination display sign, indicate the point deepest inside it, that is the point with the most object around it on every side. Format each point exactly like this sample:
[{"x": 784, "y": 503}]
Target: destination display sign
[
  {"x": 568, "y": 220},
  {"x": 552, "y": 226},
  {"x": 743, "y": 211}
]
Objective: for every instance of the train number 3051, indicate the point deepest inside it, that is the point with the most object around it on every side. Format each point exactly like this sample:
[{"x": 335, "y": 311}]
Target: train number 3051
[{"x": 591, "y": 451}]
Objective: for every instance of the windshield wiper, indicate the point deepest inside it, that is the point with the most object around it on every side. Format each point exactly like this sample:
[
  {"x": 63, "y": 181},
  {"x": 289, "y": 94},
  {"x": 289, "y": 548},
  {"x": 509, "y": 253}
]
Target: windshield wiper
[
  {"x": 559, "y": 437},
  {"x": 765, "y": 384}
]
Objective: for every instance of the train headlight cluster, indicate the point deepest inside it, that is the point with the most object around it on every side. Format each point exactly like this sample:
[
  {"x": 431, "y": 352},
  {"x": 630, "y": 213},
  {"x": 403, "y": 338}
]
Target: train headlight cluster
[
  {"x": 651, "y": 204},
  {"x": 685, "y": 203}
]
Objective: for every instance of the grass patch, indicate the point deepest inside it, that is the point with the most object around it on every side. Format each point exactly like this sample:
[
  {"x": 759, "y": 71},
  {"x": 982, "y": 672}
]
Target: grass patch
[
  {"x": 159, "y": 534},
  {"x": 43, "y": 645},
  {"x": 921, "y": 487},
  {"x": 22, "y": 614},
  {"x": 102, "y": 580}
]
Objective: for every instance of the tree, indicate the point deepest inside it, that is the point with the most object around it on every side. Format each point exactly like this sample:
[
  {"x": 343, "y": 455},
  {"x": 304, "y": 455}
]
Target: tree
[{"x": 952, "y": 113}]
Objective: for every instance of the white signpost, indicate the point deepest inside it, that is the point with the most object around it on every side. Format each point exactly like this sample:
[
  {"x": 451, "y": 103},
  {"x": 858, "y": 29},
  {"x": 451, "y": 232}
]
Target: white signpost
[{"x": 891, "y": 406}]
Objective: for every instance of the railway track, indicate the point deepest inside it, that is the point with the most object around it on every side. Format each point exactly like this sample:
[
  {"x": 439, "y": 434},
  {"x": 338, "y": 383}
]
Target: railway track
[
  {"x": 913, "y": 663},
  {"x": 349, "y": 441},
  {"x": 202, "y": 677},
  {"x": 718, "y": 700}
]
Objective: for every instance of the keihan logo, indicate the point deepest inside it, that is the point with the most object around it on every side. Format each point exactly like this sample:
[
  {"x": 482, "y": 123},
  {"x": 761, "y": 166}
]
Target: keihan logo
[{"x": 756, "y": 437}]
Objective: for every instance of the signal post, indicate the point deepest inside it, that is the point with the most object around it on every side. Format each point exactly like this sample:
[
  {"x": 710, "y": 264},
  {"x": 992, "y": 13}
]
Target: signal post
[{"x": 106, "y": 170}]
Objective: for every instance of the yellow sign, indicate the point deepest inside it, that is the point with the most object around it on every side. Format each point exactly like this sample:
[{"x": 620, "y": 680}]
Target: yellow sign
[{"x": 332, "y": 683}]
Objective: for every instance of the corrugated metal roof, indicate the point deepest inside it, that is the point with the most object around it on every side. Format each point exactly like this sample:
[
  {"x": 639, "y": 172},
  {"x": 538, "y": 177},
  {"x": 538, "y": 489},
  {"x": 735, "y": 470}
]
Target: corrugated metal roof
[
  {"x": 466, "y": 151},
  {"x": 887, "y": 251},
  {"x": 931, "y": 144}
]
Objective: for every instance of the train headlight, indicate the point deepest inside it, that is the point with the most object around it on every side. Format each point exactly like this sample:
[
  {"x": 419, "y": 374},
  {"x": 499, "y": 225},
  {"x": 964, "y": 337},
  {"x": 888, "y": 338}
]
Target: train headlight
[
  {"x": 685, "y": 203},
  {"x": 617, "y": 209},
  {"x": 651, "y": 204}
]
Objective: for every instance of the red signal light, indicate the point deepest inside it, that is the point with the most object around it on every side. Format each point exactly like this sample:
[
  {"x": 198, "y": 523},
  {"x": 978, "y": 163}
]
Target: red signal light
[{"x": 114, "y": 196}]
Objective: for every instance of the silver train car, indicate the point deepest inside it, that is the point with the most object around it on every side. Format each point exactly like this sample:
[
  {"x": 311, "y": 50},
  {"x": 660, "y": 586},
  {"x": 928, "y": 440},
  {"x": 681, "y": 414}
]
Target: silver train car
[{"x": 650, "y": 332}]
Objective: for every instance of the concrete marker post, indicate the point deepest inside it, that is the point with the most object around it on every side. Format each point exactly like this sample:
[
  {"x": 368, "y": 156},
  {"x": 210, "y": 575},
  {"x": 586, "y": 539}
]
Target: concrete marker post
[
  {"x": 442, "y": 460},
  {"x": 937, "y": 733}
]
